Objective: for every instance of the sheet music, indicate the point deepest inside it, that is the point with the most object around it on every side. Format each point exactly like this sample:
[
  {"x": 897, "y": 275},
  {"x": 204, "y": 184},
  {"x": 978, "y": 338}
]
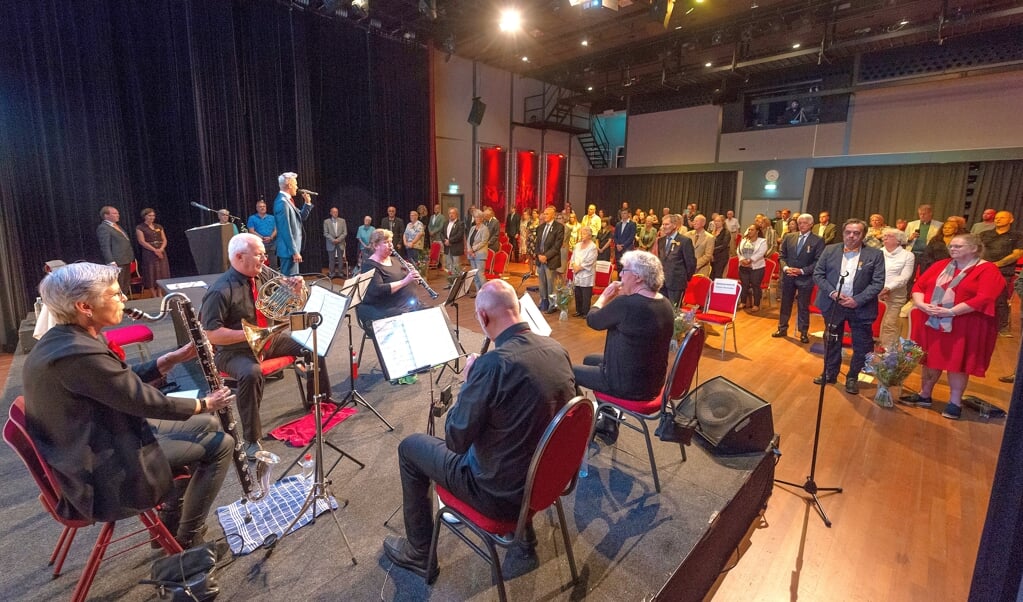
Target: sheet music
[
  {"x": 331, "y": 307},
  {"x": 532, "y": 315},
  {"x": 415, "y": 340},
  {"x": 183, "y": 285}
]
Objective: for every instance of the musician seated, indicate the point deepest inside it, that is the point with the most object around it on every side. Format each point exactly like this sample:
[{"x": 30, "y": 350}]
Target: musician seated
[
  {"x": 86, "y": 412},
  {"x": 392, "y": 289},
  {"x": 230, "y": 300},
  {"x": 510, "y": 395}
]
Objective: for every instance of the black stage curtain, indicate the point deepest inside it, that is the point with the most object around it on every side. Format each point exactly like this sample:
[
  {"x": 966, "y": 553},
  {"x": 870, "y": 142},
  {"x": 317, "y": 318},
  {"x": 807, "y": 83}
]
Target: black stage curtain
[
  {"x": 893, "y": 191},
  {"x": 1000, "y": 187},
  {"x": 159, "y": 103},
  {"x": 711, "y": 191}
]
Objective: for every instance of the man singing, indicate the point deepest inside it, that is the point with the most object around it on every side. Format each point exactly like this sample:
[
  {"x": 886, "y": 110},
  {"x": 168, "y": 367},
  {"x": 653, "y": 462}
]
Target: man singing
[
  {"x": 509, "y": 397},
  {"x": 289, "y": 222}
]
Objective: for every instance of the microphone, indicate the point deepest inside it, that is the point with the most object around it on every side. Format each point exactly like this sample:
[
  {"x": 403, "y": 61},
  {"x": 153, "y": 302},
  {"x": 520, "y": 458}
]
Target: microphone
[
  {"x": 845, "y": 274},
  {"x": 309, "y": 192},
  {"x": 194, "y": 204}
]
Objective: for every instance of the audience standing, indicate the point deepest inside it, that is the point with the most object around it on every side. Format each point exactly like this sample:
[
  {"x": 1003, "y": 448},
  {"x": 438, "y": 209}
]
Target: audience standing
[{"x": 1003, "y": 246}]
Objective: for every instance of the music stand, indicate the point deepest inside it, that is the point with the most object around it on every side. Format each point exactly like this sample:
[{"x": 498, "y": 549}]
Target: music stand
[
  {"x": 332, "y": 309},
  {"x": 459, "y": 288},
  {"x": 320, "y": 490}
]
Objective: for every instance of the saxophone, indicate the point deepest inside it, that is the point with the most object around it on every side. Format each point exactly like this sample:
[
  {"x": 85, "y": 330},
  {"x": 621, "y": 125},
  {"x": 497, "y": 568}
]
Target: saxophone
[{"x": 254, "y": 489}]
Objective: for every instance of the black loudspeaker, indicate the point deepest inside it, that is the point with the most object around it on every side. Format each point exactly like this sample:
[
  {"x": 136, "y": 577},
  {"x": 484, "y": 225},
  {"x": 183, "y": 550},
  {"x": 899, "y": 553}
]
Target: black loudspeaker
[
  {"x": 476, "y": 114},
  {"x": 730, "y": 418}
]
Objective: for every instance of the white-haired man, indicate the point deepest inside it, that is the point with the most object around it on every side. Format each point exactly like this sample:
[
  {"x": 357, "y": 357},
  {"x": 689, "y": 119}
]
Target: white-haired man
[{"x": 289, "y": 222}]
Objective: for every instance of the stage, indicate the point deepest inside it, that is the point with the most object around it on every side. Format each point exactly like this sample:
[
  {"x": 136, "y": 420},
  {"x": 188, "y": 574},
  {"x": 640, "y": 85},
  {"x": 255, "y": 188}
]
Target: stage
[{"x": 629, "y": 541}]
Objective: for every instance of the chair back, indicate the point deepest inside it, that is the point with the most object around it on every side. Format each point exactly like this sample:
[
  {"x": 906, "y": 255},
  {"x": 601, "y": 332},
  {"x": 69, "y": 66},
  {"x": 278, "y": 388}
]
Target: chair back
[
  {"x": 557, "y": 458},
  {"x": 500, "y": 262},
  {"x": 507, "y": 248},
  {"x": 602, "y": 276},
  {"x": 490, "y": 261},
  {"x": 770, "y": 267},
  {"x": 696, "y": 291},
  {"x": 435, "y": 249},
  {"x": 687, "y": 360},
  {"x": 732, "y": 272},
  {"x": 16, "y": 436},
  {"x": 723, "y": 296}
]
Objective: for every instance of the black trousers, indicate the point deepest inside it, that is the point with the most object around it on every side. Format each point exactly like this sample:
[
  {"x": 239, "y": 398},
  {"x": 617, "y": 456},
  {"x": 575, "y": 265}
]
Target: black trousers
[
  {"x": 862, "y": 343},
  {"x": 242, "y": 366},
  {"x": 423, "y": 459},
  {"x": 583, "y": 294}
]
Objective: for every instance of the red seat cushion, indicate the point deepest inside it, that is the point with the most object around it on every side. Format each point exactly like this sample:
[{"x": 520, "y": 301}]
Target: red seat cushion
[
  {"x": 490, "y": 525},
  {"x": 715, "y": 318},
  {"x": 648, "y": 406},
  {"x": 130, "y": 335},
  {"x": 271, "y": 365}
]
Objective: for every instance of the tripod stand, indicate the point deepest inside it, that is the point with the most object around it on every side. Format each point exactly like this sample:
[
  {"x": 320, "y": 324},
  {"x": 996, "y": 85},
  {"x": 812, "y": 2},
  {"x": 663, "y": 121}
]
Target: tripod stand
[
  {"x": 810, "y": 486},
  {"x": 320, "y": 491},
  {"x": 459, "y": 288}
]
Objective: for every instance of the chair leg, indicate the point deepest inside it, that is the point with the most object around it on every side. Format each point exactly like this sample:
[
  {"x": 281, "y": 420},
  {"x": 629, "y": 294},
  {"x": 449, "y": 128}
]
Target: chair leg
[
  {"x": 682, "y": 448},
  {"x": 306, "y": 403},
  {"x": 735, "y": 340},
  {"x": 67, "y": 535},
  {"x": 495, "y": 570},
  {"x": 431, "y": 559},
  {"x": 144, "y": 352},
  {"x": 724, "y": 339},
  {"x": 650, "y": 452},
  {"x": 159, "y": 532},
  {"x": 568, "y": 543},
  {"x": 92, "y": 565}
]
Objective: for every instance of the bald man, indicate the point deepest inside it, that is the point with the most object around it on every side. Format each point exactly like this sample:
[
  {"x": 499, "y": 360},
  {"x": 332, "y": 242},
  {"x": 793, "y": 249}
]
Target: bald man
[{"x": 510, "y": 395}]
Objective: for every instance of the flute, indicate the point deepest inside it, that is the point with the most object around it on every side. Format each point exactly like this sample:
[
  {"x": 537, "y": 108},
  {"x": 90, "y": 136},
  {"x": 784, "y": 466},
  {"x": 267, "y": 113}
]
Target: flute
[{"x": 422, "y": 281}]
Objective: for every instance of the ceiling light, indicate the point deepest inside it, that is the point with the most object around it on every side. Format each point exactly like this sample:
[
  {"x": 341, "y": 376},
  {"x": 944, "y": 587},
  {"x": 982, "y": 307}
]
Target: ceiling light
[
  {"x": 589, "y": 88},
  {"x": 796, "y": 46},
  {"x": 360, "y": 8},
  {"x": 525, "y": 59},
  {"x": 584, "y": 42},
  {"x": 511, "y": 20},
  {"x": 904, "y": 22},
  {"x": 708, "y": 64}
]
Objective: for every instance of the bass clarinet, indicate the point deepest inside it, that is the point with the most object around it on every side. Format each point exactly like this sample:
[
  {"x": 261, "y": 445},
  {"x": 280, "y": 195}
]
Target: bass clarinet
[
  {"x": 409, "y": 267},
  {"x": 256, "y": 488}
]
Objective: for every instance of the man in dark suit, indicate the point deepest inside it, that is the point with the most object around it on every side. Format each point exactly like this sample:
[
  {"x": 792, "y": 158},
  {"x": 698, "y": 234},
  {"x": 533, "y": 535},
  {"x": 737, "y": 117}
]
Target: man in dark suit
[
  {"x": 861, "y": 270},
  {"x": 512, "y": 224},
  {"x": 625, "y": 237},
  {"x": 115, "y": 245},
  {"x": 678, "y": 257},
  {"x": 798, "y": 254},
  {"x": 396, "y": 225},
  {"x": 494, "y": 228},
  {"x": 549, "y": 238},
  {"x": 454, "y": 244}
]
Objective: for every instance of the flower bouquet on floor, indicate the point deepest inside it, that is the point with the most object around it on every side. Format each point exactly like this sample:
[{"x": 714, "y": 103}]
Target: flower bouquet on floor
[
  {"x": 564, "y": 295},
  {"x": 891, "y": 367},
  {"x": 685, "y": 319}
]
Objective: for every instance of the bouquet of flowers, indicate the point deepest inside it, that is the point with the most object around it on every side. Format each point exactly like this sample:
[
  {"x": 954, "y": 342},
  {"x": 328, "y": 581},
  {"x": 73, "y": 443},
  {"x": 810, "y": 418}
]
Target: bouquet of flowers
[
  {"x": 562, "y": 297},
  {"x": 685, "y": 319},
  {"x": 891, "y": 367}
]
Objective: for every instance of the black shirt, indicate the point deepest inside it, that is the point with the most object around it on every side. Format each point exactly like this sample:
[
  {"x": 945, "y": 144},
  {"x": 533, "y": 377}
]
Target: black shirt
[
  {"x": 511, "y": 395},
  {"x": 998, "y": 246},
  {"x": 639, "y": 331},
  {"x": 227, "y": 302}
]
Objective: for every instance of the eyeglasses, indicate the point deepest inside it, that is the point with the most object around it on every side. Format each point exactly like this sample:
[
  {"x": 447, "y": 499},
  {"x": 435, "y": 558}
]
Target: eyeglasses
[{"x": 118, "y": 296}]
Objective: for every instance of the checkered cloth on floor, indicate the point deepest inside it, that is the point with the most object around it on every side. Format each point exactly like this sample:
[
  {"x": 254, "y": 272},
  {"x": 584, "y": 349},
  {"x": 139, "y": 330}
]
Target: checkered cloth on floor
[{"x": 272, "y": 514}]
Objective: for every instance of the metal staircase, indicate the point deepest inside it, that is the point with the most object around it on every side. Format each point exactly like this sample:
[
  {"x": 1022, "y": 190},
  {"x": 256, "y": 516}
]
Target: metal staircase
[{"x": 556, "y": 109}]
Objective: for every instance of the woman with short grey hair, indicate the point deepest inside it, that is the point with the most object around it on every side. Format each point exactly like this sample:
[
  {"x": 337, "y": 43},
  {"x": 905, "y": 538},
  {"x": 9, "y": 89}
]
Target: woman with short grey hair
[{"x": 898, "y": 271}]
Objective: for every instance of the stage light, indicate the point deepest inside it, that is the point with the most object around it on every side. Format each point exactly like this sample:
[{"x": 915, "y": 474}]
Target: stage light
[
  {"x": 708, "y": 64},
  {"x": 796, "y": 46},
  {"x": 511, "y": 20},
  {"x": 360, "y": 8}
]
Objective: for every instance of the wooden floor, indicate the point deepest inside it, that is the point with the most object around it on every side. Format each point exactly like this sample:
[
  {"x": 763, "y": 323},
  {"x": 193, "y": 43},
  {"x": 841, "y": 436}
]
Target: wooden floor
[{"x": 916, "y": 486}]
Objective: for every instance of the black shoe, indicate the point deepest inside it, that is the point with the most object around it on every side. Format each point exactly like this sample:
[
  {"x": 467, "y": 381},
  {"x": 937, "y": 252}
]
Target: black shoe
[
  {"x": 447, "y": 287},
  {"x": 820, "y": 380},
  {"x": 552, "y": 310},
  {"x": 544, "y": 306},
  {"x": 401, "y": 553},
  {"x": 852, "y": 387},
  {"x": 803, "y": 338},
  {"x": 777, "y": 334}
]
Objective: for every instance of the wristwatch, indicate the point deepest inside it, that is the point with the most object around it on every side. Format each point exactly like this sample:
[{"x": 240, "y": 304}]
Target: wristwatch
[{"x": 203, "y": 407}]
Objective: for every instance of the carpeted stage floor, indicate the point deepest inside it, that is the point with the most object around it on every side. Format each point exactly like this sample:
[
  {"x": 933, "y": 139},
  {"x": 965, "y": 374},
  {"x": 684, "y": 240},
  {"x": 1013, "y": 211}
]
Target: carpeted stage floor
[{"x": 628, "y": 539}]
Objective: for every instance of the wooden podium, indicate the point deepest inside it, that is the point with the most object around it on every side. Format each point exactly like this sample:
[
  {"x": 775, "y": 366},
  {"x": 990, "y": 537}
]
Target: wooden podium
[{"x": 209, "y": 247}]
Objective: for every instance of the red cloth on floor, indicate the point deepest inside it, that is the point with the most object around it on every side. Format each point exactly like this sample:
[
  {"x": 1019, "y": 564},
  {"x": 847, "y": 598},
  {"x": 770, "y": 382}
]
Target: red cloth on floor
[{"x": 298, "y": 433}]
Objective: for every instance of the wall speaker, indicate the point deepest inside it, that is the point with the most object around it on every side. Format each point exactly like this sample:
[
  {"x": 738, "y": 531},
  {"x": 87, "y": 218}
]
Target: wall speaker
[
  {"x": 730, "y": 418},
  {"x": 476, "y": 114}
]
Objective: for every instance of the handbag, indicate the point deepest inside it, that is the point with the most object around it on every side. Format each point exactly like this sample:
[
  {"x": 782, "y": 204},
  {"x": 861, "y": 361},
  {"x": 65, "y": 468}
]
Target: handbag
[
  {"x": 187, "y": 576},
  {"x": 675, "y": 429}
]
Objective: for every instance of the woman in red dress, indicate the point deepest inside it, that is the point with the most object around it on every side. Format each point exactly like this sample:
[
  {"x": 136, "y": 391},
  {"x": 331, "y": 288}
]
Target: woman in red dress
[{"x": 956, "y": 324}]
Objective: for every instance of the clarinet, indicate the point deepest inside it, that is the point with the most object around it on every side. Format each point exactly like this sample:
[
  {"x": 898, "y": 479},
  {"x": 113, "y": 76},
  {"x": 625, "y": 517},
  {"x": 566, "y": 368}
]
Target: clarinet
[
  {"x": 422, "y": 281},
  {"x": 256, "y": 488}
]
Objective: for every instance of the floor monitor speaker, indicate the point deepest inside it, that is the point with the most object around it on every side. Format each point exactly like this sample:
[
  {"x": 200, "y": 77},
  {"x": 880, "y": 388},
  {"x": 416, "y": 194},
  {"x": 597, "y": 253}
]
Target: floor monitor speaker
[{"x": 730, "y": 418}]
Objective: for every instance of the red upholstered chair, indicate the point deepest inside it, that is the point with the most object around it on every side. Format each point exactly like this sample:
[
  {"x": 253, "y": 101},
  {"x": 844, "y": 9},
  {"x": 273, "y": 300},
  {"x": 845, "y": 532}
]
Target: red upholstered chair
[
  {"x": 602, "y": 276},
  {"x": 507, "y": 248},
  {"x": 435, "y": 251},
  {"x": 490, "y": 261},
  {"x": 273, "y": 368},
  {"x": 136, "y": 334},
  {"x": 136, "y": 279},
  {"x": 722, "y": 303},
  {"x": 552, "y": 474},
  {"x": 16, "y": 436},
  {"x": 497, "y": 266},
  {"x": 696, "y": 292},
  {"x": 770, "y": 270},
  {"x": 732, "y": 271},
  {"x": 875, "y": 328},
  {"x": 677, "y": 386}
]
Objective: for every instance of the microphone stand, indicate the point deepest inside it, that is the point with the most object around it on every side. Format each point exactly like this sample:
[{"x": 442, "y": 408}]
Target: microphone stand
[{"x": 810, "y": 486}]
